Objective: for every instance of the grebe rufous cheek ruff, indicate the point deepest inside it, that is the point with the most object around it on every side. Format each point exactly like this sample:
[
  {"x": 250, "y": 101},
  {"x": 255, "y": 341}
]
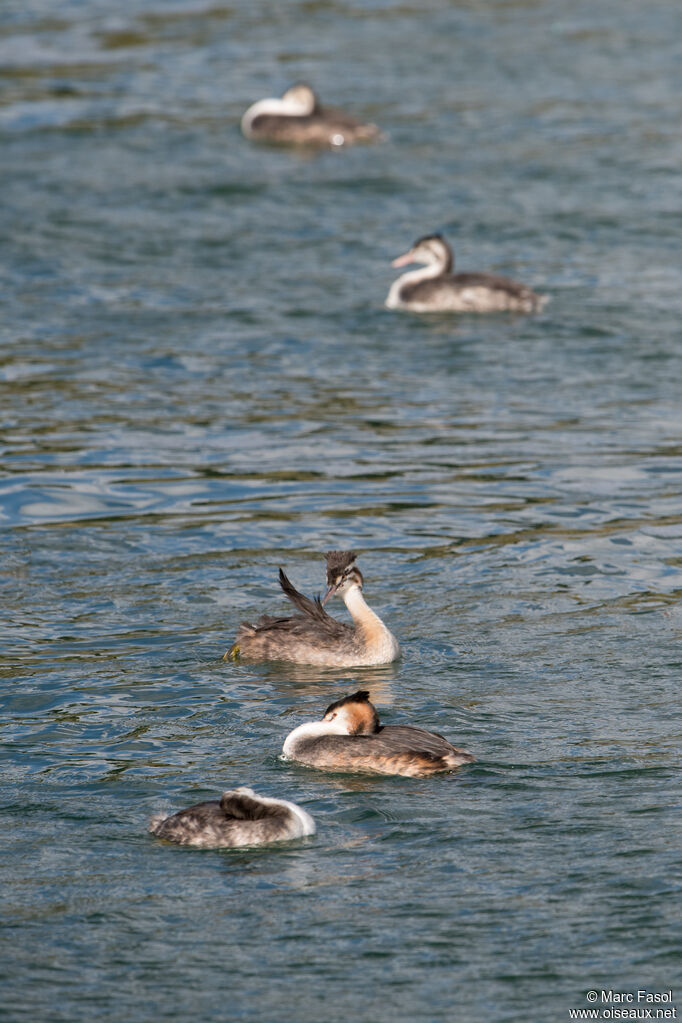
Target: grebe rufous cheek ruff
[
  {"x": 350, "y": 738},
  {"x": 241, "y": 817},
  {"x": 298, "y": 119},
  {"x": 313, "y": 636},
  {"x": 436, "y": 289}
]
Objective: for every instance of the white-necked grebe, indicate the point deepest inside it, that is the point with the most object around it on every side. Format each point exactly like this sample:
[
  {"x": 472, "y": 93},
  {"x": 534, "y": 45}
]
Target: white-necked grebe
[
  {"x": 436, "y": 289},
  {"x": 313, "y": 636},
  {"x": 241, "y": 817},
  {"x": 298, "y": 119},
  {"x": 350, "y": 738}
]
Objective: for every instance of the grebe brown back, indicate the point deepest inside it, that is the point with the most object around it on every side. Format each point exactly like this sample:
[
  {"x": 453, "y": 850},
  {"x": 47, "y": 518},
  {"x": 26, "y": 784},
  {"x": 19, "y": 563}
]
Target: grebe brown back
[
  {"x": 350, "y": 738},
  {"x": 313, "y": 636},
  {"x": 436, "y": 289},
  {"x": 241, "y": 817},
  {"x": 298, "y": 119}
]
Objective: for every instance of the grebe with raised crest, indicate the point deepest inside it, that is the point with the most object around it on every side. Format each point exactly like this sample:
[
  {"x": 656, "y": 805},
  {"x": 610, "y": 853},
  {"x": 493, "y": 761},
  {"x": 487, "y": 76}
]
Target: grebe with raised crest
[
  {"x": 240, "y": 817},
  {"x": 436, "y": 289},
  {"x": 313, "y": 636},
  {"x": 350, "y": 738},
  {"x": 297, "y": 118}
]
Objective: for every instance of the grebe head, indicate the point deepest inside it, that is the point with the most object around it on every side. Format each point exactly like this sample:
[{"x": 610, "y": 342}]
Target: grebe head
[
  {"x": 354, "y": 714},
  {"x": 341, "y": 573},
  {"x": 432, "y": 250},
  {"x": 302, "y": 98}
]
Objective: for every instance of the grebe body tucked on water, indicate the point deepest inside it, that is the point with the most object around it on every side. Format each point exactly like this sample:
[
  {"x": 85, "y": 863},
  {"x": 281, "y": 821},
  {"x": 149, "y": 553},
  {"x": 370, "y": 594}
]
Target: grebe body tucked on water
[
  {"x": 350, "y": 738},
  {"x": 299, "y": 119},
  {"x": 436, "y": 289},
  {"x": 241, "y": 817},
  {"x": 313, "y": 636}
]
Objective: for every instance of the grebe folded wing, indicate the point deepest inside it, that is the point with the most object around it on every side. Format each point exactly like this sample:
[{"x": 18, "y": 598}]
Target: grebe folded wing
[
  {"x": 390, "y": 741},
  {"x": 243, "y": 805},
  {"x": 400, "y": 737},
  {"x": 382, "y": 753}
]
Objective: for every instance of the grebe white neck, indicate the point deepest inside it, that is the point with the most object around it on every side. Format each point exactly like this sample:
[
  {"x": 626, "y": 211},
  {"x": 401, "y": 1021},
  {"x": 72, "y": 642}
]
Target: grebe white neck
[
  {"x": 357, "y": 605},
  {"x": 312, "y": 730},
  {"x": 286, "y": 106},
  {"x": 380, "y": 645},
  {"x": 306, "y": 825},
  {"x": 422, "y": 273}
]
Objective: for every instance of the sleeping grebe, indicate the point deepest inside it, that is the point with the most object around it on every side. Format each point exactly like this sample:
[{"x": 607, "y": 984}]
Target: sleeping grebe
[
  {"x": 437, "y": 289},
  {"x": 350, "y": 738},
  {"x": 241, "y": 817},
  {"x": 297, "y": 118},
  {"x": 314, "y": 637}
]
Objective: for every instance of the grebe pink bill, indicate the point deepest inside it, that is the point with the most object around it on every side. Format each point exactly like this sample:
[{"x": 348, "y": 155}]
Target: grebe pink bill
[
  {"x": 436, "y": 289},
  {"x": 240, "y": 817},
  {"x": 313, "y": 636},
  {"x": 297, "y": 118},
  {"x": 350, "y": 738}
]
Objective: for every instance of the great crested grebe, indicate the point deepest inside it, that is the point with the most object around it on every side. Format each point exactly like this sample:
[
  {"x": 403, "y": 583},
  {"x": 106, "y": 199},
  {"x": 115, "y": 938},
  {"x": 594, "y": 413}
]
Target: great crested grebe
[
  {"x": 350, "y": 738},
  {"x": 313, "y": 636},
  {"x": 241, "y": 817},
  {"x": 436, "y": 289},
  {"x": 297, "y": 118}
]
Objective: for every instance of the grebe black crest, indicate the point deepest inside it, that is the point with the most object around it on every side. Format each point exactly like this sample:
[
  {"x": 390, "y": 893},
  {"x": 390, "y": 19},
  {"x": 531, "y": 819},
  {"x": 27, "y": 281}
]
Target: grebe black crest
[
  {"x": 436, "y": 289},
  {"x": 350, "y": 738},
  {"x": 312, "y": 636},
  {"x": 338, "y": 562},
  {"x": 240, "y": 817},
  {"x": 297, "y": 118}
]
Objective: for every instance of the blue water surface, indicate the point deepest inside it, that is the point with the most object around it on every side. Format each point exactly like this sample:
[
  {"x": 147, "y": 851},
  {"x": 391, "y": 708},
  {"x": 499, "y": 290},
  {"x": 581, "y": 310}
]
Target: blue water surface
[{"x": 199, "y": 383}]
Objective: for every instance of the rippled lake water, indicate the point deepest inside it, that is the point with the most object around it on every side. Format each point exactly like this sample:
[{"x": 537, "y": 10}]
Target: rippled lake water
[{"x": 200, "y": 383}]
